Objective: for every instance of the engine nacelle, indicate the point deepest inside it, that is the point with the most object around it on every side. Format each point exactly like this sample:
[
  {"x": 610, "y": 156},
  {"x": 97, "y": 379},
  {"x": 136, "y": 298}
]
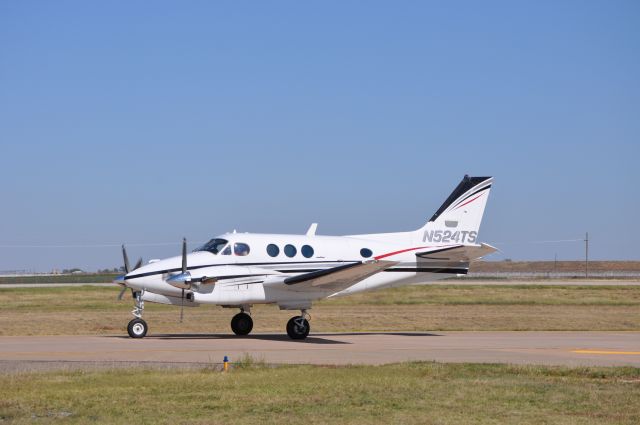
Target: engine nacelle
[{"x": 180, "y": 281}]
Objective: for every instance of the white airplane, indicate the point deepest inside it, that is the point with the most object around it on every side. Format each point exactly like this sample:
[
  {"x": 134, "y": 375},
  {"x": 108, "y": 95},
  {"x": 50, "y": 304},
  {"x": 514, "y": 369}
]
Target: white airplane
[{"x": 238, "y": 270}]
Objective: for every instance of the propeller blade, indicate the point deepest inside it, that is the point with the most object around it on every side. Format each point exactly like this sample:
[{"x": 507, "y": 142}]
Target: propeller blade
[
  {"x": 182, "y": 307},
  {"x": 182, "y": 280},
  {"x": 138, "y": 264},
  {"x": 184, "y": 255},
  {"x": 126, "y": 260},
  {"x": 121, "y": 293}
]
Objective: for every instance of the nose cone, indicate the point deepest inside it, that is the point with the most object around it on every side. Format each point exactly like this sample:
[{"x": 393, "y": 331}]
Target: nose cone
[{"x": 120, "y": 279}]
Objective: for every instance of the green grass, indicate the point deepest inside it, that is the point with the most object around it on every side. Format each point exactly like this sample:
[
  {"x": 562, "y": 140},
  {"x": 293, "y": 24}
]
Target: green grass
[{"x": 409, "y": 393}]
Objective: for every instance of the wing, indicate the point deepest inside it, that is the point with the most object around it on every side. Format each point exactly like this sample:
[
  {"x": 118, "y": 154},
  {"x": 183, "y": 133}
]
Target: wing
[
  {"x": 463, "y": 253},
  {"x": 334, "y": 279}
]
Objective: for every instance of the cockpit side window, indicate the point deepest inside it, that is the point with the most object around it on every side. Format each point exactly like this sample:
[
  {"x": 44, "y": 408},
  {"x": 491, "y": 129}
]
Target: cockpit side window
[{"x": 214, "y": 246}]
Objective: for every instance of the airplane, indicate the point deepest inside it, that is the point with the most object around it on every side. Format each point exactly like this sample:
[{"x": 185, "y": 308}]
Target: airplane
[{"x": 239, "y": 270}]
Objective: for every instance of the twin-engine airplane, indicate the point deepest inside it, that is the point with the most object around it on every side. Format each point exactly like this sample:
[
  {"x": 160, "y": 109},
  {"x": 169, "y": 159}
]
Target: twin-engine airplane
[{"x": 238, "y": 270}]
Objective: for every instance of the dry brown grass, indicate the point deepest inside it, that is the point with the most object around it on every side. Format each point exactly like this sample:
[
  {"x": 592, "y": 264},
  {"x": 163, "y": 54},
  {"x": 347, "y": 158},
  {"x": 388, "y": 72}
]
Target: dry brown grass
[
  {"x": 92, "y": 310},
  {"x": 551, "y": 266}
]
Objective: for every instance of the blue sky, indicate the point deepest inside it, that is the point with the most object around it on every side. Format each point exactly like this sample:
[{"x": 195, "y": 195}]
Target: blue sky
[{"x": 144, "y": 122}]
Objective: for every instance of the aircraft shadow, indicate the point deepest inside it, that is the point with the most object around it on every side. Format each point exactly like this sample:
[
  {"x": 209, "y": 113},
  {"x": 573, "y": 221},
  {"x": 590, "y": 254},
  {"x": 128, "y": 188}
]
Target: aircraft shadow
[
  {"x": 319, "y": 338},
  {"x": 261, "y": 337},
  {"x": 377, "y": 333}
]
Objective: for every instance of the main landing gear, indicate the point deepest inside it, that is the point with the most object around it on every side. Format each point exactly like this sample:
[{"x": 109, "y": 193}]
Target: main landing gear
[
  {"x": 242, "y": 323},
  {"x": 298, "y": 326},
  {"x": 137, "y": 328}
]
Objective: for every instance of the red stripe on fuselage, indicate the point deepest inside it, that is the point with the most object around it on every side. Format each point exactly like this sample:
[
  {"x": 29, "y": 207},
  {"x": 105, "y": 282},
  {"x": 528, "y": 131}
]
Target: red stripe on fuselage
[{"x": 389, "y": 254}]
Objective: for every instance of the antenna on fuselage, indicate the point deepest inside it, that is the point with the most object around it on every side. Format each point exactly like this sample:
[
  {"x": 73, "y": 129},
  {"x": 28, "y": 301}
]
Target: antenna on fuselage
[{"x": 312, "y": 229}]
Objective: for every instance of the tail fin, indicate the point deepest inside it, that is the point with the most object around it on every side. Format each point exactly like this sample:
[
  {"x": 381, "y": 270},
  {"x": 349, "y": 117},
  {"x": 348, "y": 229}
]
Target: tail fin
[{"x": 458, "y": 219}]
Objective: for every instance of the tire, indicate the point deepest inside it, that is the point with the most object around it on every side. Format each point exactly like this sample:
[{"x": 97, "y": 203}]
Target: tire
[
  {"x": 241, "y": 324},
  {"x": 295, "y": 331},
  {"x": 137, "y": 328}
]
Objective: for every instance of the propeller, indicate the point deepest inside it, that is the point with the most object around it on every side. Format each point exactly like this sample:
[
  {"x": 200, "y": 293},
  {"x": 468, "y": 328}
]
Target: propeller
[
  {"x": 127, "y": 269},
  {"x": 184, "y": 273},
  {"x": 182, "y": 280},
  {"x": 126, "y": 260},
  {"x": 121, "y": 293},
  {"x": 138, "y": 264}
]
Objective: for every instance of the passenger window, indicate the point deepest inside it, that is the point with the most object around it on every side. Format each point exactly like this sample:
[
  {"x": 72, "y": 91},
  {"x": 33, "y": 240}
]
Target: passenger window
[
  {"x": 290, "y": 250},
  {"x": 241, "y": 249},
  {"x": 366, "y": 252},
  {"x": 307, "y": 251},
  {"x": 273, "y": 250},
  {"x": 227, "y": 250}
]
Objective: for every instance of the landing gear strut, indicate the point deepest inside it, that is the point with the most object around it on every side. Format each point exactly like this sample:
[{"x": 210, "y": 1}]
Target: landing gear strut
[
  {"x": 241, "y": 324},
  {"x": 298, "y": 326},
  {"x": 137, "y": 328}
]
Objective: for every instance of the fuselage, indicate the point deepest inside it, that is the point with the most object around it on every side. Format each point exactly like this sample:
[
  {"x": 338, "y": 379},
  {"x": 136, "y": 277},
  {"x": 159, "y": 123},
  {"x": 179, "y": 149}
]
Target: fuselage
[{"x": 233, "y": 269}]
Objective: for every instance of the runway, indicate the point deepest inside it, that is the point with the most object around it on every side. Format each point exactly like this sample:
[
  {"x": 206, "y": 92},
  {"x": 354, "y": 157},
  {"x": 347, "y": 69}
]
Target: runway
[{"x": 544, "y": 348}]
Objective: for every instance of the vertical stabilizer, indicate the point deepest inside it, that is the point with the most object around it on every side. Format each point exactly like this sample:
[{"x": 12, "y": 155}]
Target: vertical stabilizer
[{"x": 458, "y": 218}]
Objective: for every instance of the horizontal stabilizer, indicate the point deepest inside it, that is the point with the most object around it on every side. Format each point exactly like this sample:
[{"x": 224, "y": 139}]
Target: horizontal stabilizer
[{"x": 458, "y": 253}]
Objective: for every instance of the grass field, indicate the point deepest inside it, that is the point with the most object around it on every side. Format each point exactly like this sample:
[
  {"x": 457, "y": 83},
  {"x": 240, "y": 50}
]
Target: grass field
[
  {"x": 410, "y": 393},
  {"x": 94, "y": 310}
]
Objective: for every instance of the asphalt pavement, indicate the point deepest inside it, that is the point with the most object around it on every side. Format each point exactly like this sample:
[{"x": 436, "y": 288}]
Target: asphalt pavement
[{"x": 174, "y": 350}]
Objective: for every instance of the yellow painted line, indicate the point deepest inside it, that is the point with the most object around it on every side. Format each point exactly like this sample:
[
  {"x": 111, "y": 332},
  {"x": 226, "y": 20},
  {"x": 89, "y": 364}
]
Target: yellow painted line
[{"x": 624, "y": 353}]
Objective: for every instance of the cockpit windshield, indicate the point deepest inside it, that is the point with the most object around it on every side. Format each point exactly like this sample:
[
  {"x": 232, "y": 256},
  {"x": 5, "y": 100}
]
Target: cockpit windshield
[{"x": 214, "y": 246}]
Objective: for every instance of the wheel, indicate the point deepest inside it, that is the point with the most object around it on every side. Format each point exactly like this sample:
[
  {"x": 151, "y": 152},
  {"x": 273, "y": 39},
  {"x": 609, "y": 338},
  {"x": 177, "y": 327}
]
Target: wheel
[
  {"x": 137, "y": 328},
  {"x": 241, "y": 324},
  {"x": 298, "y": 327}
]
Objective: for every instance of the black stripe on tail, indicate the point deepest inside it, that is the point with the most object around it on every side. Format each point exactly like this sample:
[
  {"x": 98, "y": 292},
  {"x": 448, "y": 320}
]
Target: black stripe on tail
[{"x": 463, "y": 187}]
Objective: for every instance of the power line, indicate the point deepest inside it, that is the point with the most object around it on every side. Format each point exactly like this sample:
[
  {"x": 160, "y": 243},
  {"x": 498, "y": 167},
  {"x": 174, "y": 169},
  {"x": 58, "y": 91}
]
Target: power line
[{"x": 536, "y": 242}]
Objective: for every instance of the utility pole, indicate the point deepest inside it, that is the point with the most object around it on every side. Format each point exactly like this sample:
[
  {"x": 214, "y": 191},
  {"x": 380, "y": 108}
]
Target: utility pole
[{"x": 586, "y": 255}]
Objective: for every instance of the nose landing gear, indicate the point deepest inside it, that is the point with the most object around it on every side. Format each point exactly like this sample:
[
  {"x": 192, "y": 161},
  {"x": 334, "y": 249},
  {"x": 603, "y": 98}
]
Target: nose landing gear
[
  {"x": 137, "y": 328},
  {"x": 298, "y": 326}
]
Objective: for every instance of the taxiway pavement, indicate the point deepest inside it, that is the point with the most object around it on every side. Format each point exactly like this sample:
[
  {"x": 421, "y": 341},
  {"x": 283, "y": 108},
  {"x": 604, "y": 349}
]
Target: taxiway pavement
[{"x": 545, "y": 348}]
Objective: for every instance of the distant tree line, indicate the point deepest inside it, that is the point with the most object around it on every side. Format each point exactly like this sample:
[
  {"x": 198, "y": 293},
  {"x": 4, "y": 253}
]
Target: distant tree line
[
  {"x": 74, "y": 270},
  {"x": 113, "y": 270},
  {"x": 100, "y": 271}
]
